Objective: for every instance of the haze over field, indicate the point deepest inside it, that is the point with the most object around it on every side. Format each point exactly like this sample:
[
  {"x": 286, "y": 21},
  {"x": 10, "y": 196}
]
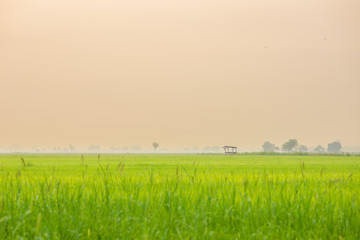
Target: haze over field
[{"x": 183, "y": 73}]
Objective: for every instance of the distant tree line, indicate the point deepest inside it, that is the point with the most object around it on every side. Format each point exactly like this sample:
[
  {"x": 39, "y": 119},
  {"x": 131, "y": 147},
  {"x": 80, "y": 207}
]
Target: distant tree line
[{"x": 292, "y": 145}]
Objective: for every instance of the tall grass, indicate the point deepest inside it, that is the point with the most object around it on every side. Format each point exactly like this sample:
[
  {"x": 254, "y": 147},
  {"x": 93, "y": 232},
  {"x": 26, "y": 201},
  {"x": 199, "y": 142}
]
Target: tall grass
[{"x": 188, "y": 199}]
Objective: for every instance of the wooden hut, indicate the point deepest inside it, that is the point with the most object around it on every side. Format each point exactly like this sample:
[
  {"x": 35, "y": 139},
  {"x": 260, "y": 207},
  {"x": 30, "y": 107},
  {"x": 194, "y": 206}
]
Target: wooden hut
[{"x": 230, "y": 149}]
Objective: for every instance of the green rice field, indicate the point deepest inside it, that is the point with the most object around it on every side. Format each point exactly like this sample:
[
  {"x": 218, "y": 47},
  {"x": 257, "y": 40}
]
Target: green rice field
[{"x": 159, "y": 196}]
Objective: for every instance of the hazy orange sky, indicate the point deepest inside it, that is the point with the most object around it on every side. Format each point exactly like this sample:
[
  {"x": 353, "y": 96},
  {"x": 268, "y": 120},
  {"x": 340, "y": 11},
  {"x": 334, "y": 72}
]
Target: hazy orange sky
[{"x": 179, "y": 72}]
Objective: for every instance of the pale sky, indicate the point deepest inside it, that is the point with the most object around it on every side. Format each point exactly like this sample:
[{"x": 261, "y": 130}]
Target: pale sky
[{"x": 180, "y": 72}]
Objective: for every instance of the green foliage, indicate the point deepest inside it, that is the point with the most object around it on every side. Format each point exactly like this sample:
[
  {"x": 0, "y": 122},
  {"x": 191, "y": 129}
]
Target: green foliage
[
  {"x": 155, "y": 146},
  {"x": 303, "y": 148},
  {"x": 334, "y": 147},
  {"x": 180, "y": 197},
  {"x": 319, "y": 149},
  {"x": 290, "y": 145},
  {"x": 269, "y": 147}
]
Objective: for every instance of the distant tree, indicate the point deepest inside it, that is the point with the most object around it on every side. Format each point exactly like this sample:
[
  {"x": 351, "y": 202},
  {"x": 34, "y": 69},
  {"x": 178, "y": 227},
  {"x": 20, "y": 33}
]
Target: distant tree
[
  {"x": 115, "y": 149},
  {"x": 290, "y": 145},
  {"x": 186, "y": 149},
  {"x": 71, "y": 148},
  {"x": 303, "y": 148},
  {"x": 216, "y": 149},
  {"x": 319, "y": 149},
  {"x": 269, "y": 147},
  {"x": 206, "y": 149},
  {"x": 155, "y": 146},
  {"x": 195, "y": 149},
  {"x": 93, "y": 148},
  {"x": 136, "y": 149},
  {"x": 334, "y": 147}
]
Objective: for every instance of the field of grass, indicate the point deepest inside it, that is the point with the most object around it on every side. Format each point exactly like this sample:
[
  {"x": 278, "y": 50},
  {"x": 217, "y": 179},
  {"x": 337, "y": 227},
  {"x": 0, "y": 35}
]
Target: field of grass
[{"x": 179, "y": 197}]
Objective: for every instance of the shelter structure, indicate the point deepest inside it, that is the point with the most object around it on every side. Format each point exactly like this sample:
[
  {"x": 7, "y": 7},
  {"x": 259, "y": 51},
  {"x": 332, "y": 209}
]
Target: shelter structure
[{"x": 230, "y": 149}]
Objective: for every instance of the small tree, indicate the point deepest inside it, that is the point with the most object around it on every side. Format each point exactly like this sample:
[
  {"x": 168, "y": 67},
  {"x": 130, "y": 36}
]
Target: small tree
[
  {"x": 155, "y": 146},
  {"x": 269, "y": 147},
  {"x": 319, "y": 149},
  {"x": 94, "y": 148},
  {"x": 290, "y": 145},
  {"x": 334, "y": 147},
  {"x": 71, "y": 148},
  {"x": 303, "y": 148}
]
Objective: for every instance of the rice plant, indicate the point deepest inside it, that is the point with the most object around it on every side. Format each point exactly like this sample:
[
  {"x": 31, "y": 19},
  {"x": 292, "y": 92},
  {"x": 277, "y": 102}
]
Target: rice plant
[{"x": 180, "y": 197}]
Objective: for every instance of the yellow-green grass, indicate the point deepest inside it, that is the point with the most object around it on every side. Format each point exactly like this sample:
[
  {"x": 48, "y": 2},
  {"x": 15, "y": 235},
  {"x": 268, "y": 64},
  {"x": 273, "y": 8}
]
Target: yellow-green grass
[{"x": 179, "y": 197}]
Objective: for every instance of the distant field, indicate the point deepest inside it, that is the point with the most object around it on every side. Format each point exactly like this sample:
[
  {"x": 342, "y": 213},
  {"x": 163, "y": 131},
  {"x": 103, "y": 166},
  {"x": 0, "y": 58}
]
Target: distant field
[{"x": 179, "y": 197}]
